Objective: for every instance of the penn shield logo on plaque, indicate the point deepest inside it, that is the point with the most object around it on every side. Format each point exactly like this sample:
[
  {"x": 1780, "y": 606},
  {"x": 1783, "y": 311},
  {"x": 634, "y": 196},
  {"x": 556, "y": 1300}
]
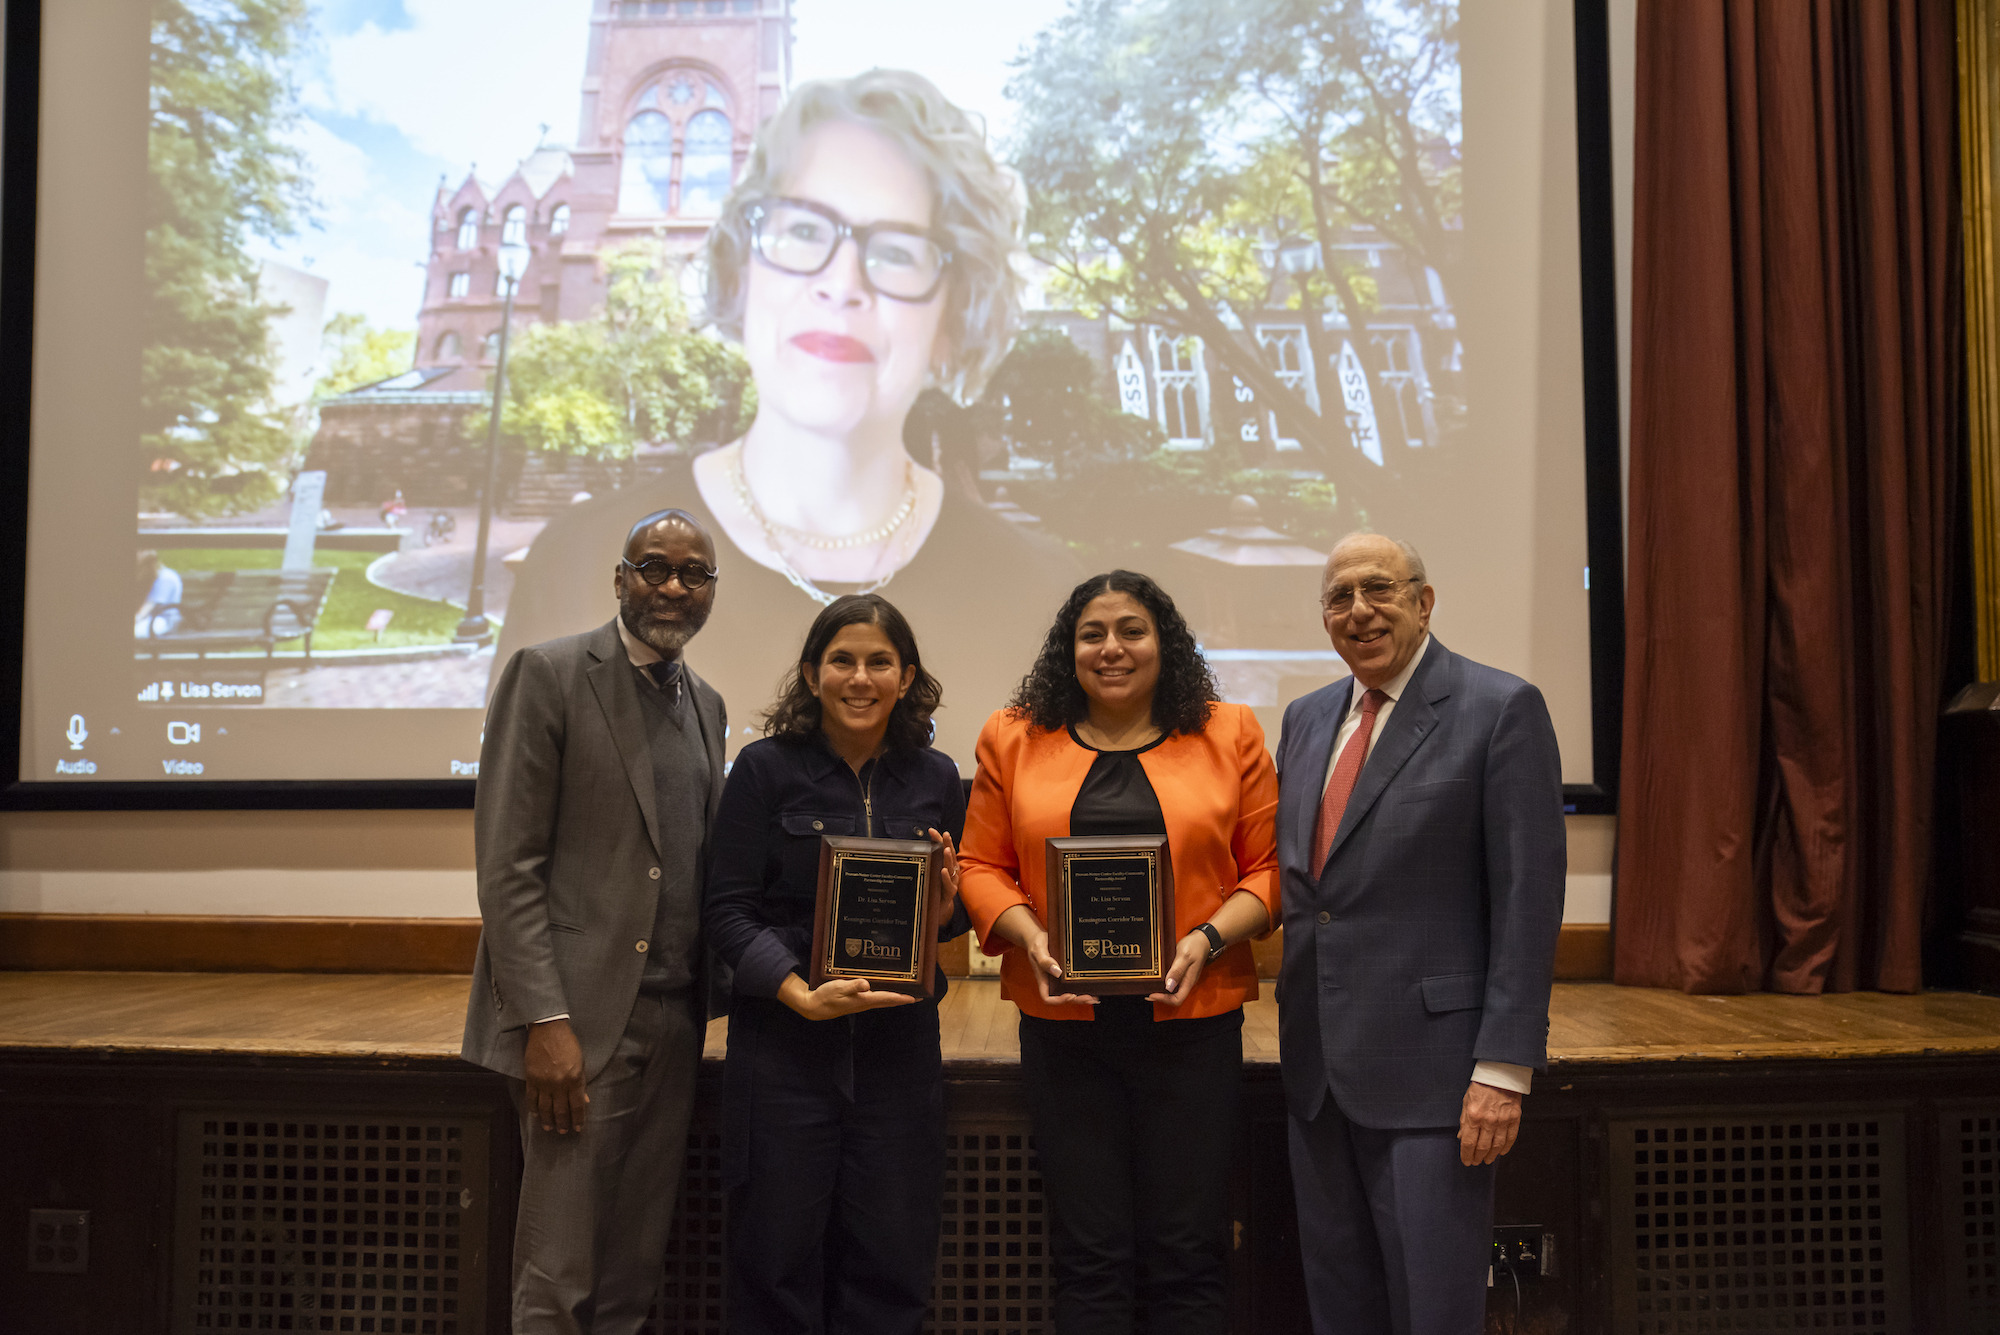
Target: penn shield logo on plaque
[
  {"x": 873, "y": 917},
  {"x": 1111, "y": 913}
]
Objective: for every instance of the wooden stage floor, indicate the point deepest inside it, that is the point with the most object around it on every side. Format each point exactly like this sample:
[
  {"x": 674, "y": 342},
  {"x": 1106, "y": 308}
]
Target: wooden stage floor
[{"x": 419, "y": 1017}]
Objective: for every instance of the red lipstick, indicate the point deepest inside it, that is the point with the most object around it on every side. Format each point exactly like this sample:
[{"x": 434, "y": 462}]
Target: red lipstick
[{"x": 832, "y": 347}]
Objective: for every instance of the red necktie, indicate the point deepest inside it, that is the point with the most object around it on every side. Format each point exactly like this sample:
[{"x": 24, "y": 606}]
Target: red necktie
[{"x": 1333, "y": 805}]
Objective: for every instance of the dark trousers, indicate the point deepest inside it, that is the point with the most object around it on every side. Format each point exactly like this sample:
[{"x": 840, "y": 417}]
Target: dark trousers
[
  {"x": 590, "y": 1236},
  {"x": 1396, "y": 1233},
  {"x": 1136, "y": 1126},
  {"x": 833, "y": 1151}
]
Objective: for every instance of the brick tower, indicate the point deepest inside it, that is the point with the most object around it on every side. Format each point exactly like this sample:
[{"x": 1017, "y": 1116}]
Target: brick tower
[{"x": 673, "y": 90}]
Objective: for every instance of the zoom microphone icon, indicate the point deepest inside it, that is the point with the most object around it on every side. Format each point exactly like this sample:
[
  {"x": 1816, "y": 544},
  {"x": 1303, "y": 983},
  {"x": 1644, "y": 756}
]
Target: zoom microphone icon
[{"x": 77, "y": 732}]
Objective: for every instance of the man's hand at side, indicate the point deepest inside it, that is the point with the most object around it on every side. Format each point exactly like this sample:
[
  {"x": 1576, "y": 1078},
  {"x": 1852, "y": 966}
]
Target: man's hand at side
[
  {"x": 555, "y": 1077},
  {"x": 1488, "y": 1122}
]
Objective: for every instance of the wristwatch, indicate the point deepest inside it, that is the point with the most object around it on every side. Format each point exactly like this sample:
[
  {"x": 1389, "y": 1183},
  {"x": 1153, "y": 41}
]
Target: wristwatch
[{"x": 1215, "y": 942}]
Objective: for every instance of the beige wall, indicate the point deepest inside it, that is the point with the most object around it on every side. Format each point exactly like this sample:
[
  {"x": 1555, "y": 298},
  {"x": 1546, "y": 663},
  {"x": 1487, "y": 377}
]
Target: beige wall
[{"x": 360, "y": 864}]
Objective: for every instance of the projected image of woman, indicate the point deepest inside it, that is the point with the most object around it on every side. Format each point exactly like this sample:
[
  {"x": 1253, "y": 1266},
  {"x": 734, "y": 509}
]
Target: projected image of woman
[{"x": 864, "y": 255}]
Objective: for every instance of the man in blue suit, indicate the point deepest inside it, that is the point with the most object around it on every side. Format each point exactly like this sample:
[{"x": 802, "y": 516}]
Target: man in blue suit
[{"x": 1421, "y": 846}]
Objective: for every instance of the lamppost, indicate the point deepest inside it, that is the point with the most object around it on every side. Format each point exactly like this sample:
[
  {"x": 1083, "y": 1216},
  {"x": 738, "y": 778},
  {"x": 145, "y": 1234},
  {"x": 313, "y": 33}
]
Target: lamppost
[{"x": 474, "y": 628}]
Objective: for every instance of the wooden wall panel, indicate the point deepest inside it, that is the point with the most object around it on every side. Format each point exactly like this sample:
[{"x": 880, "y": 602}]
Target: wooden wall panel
[
  {"x": 173, "y": 944},
  {"x": 1583, "y": 953}
]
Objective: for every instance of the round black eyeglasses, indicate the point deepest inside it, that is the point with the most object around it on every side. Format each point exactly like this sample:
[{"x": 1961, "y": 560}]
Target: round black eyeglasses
[{"x": 694, "y": 576}]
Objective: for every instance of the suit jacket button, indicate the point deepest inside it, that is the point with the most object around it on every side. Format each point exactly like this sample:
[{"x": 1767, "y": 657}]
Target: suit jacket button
[
  {"x": 640, "y": 947},
  {"x": 819, "y": 825},
  {"x": 654, "y": 873},
  {"x": 1326, "y": 917}
]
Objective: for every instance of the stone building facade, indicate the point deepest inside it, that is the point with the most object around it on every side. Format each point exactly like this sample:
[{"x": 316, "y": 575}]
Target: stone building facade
[{"x": 673, "y": 91}]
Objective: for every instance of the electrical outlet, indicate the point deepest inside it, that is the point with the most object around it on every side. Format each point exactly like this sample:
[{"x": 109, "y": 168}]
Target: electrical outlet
[
  {"x": 1525, "y": 1250},
  {"x": 59, "y": 1241}
]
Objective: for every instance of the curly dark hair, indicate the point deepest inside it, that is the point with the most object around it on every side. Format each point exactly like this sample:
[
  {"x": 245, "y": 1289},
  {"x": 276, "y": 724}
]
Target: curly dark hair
[
  {"x": 1050, "y": 697},
  {"x": 796, "y": 714}
]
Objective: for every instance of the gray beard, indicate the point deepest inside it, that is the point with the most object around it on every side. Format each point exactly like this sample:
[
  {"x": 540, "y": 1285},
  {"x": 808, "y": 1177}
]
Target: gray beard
[{"x": 662, "y": 638}]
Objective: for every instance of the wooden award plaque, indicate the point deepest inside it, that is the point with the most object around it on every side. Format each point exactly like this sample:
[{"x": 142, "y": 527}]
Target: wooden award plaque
[
  {"x": 873, "y": 918},
  {"x": 1111, "y": 913}
]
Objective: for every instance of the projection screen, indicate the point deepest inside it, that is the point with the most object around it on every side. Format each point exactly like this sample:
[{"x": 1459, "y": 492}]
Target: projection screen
[{"x": 1284, "y": 270}]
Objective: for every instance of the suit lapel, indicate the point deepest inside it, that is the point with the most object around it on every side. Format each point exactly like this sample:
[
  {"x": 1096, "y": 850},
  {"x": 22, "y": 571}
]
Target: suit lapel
[
  {"x": 618, "y": 696},
  {"x": 1414, "y": 719},
  {"x": 708, "y": 712},
  {"x": 1314, "y": 753}
]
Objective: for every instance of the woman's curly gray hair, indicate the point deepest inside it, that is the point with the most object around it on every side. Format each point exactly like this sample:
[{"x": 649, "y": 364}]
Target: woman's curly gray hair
[{"x": 975, "y": 200}]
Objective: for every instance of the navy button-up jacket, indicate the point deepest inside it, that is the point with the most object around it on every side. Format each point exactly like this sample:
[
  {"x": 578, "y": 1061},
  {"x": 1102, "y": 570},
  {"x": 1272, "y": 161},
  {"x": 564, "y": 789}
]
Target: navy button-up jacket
[{"x": 763, "y": 869}]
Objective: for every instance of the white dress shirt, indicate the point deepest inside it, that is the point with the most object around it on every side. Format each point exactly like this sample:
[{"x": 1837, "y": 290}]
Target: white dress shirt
[{"x": 1500, "y": 1075}]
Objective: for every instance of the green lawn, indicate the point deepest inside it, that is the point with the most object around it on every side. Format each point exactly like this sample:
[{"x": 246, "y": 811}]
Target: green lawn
[{"x": 417, "y": 621}]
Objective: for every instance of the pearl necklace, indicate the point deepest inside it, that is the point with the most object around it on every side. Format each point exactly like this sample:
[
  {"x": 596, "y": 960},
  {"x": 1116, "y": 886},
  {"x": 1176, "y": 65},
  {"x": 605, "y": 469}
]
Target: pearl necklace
[
  {"x": 819, "y": 541},
  {"x": 740, "y": 478}
]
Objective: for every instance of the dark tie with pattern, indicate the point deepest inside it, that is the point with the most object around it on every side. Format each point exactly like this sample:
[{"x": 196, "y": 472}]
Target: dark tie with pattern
[
  {"x": 1333, "y": 804},
  {"x": 666, "y": 676}
]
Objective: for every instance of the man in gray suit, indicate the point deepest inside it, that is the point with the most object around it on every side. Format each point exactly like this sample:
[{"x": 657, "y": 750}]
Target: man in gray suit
[
  {"x": 1421, "y": 850},
  {"x": 598, "y": 782}
]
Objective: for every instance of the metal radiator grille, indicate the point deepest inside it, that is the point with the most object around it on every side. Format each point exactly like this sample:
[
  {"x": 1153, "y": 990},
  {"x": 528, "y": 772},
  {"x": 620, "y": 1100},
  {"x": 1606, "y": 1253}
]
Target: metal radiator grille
[
  {"x": 1969, "y": 1147},
  {"x": 1776, "y": 1223},
  {"x": 690, "y": 1300},
  {"x": 993, "y": 1275},
  {"x": 289, "y": 1219}
]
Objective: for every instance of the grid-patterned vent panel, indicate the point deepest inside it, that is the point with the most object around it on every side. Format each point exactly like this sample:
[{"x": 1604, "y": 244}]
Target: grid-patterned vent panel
[
  {"x": 993, "y": 1275},
  {"x": 314, "y": 1219},
  {"x": 1759, "y": 1221},
  {"x": 690, "y": 1298},
  {"x": 1969, "y": 1150}
]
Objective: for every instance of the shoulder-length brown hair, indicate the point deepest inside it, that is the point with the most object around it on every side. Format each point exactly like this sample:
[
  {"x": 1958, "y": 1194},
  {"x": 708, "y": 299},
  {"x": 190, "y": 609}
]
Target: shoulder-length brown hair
[{"x": 796, "y": 714}]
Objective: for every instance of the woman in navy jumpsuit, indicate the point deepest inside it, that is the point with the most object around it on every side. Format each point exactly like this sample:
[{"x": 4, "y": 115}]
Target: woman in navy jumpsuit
[{"x": 833, "y": 1097}]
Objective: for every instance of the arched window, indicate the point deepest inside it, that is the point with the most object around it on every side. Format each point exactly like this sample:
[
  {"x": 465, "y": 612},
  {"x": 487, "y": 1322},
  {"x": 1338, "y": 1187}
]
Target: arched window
[
  {"x": 468, "y": 229},
  {"x": 489, "y": 347},
  {"x": 514, "y": 230},
  {"x": 559, "y": 220},
  {"x": 705, "y": 165},
  {"x": 448, "y": 347},
  {"x": 461, "y": 284},
  {"x": 1177, "y": 375},
  {"x": 649, "y": 163}
]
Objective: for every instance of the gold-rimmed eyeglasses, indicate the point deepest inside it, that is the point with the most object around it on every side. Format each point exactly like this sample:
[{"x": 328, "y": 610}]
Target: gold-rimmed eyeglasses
[{"x": 1374, "y": 592}]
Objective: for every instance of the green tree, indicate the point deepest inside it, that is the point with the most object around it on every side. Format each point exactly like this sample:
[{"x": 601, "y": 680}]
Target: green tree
[
  {"x": 635, "y": 372},
  {"x": 1044, "y": 401},
  {"x": 1169, "y": 147},
  {"x": 359, "y": 354},
  {"x": 221, "y": 173}
]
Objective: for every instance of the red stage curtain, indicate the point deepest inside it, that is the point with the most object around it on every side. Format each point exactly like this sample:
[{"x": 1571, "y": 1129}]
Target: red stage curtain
[{"x": 1796, "y": 391}]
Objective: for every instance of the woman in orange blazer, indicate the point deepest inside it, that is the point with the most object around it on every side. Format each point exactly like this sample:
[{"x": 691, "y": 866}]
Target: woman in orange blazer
[{"x": 1117, "y": 730}]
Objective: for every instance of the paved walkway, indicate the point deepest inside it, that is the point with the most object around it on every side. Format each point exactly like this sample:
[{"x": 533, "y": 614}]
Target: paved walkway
[
  {"x": 443, "y": 572},
  {"x": 437, "y": 683}
]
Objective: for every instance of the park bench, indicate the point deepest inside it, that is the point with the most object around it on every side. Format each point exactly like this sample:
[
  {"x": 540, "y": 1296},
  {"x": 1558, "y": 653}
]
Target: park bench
[{"x": 236, "y": 609}]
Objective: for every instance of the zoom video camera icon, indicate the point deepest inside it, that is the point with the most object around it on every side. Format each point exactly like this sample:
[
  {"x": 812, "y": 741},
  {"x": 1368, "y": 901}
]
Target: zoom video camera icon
[{"x": 184, "y": 734}]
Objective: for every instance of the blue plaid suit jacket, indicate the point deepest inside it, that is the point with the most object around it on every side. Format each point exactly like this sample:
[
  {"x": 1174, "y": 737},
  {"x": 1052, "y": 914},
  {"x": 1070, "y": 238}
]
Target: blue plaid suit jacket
[{"x": 1428, "y": 941}]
